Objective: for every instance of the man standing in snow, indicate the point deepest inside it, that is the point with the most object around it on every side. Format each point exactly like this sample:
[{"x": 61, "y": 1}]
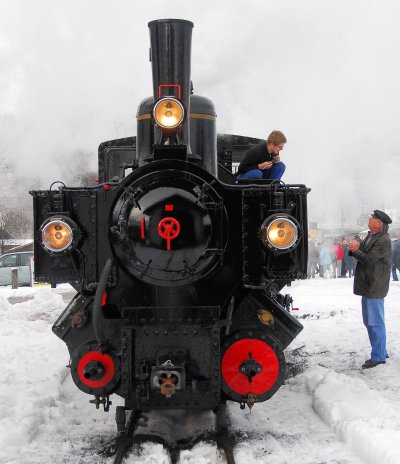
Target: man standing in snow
[
  {"x": 262, "y": 161},
  {"x": 371, "y": 281}
]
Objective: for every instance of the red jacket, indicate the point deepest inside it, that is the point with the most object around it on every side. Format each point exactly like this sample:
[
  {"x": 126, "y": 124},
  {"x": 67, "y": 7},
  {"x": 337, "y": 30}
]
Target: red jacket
[{"x": 339, "y": 251}]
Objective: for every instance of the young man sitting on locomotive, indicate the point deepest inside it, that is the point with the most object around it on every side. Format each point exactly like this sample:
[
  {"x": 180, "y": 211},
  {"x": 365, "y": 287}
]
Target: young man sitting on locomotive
[{"x": 263, "y": 161}]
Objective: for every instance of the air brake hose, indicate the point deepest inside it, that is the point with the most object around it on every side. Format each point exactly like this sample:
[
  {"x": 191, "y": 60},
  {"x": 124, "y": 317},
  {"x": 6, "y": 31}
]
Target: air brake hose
[{"x": 104, "y": 344}]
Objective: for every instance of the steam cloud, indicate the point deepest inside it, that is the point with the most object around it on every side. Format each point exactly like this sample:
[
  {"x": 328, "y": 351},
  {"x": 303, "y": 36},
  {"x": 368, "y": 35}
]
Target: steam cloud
[{"x": 326, "y": 73}]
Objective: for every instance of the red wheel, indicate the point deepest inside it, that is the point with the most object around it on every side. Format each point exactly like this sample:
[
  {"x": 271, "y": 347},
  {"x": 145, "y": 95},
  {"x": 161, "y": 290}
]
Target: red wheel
[{"x": 168, "y": 229}]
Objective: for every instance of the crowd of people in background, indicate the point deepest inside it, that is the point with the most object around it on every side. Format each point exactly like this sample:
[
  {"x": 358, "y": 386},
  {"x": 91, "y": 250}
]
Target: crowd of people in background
[
  {"x": 395, "y": 256},
  {"x": 331, "y": 259}
]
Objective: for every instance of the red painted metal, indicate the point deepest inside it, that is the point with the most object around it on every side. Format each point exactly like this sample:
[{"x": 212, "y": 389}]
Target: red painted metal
[
  {"x": 169, "y": 207},
  {"x": 142, "y": 229},
  {"x": 161, "y": 86},
  {"x": 108, "y": 364},
  {"x": 263, "y": 354},
  {"x": 168, "y": 229}
]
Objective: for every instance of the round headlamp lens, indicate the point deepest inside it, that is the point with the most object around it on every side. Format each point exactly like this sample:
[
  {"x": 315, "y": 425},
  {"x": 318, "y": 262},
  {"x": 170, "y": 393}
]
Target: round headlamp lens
[
  {"x": 168, "y": 113},
  {"x": 281, "y": 233},
  {"x": 57, "y": 235}
]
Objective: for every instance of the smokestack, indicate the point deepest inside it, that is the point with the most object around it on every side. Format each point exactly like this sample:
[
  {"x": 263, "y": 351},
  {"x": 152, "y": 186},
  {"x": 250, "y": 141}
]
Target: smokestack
[{"x": 170, "y": 53}]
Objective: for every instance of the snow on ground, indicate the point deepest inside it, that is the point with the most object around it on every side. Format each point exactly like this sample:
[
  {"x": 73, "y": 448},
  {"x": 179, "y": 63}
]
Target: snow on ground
[{"x": 330, "y": 411}]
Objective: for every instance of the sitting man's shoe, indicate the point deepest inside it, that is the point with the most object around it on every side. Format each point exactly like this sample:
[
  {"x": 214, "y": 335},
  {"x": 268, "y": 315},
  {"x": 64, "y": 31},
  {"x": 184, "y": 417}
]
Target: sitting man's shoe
[{"x": 371, "y": 363}]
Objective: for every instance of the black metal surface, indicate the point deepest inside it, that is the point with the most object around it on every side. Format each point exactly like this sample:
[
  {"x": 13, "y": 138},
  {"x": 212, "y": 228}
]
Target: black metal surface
[
  {"x": 189, "y": 269},
  {"x": 159, "y": 256},
  {"x": 171, "y": 42},
  {"x": 203, "y": 132},
  {"x": 115, "y": 157},
  {"x": 125, "y": 440}
]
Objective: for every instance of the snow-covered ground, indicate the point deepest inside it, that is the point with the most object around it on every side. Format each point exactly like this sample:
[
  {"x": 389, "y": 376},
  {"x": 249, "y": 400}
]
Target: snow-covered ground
[{"x": 330, "y": 411}]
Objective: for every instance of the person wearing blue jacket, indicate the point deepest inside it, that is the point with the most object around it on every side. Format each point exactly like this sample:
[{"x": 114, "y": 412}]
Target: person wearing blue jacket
[{"x": 325, "y": 259}]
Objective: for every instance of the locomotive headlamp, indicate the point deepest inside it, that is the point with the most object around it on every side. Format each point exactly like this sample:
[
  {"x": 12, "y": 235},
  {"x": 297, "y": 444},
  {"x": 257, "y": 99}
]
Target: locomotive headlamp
[
  {"x": 59, "y": 235},
  {"x": 168, "y": 113},
  {"x": 280, "y": 233}
]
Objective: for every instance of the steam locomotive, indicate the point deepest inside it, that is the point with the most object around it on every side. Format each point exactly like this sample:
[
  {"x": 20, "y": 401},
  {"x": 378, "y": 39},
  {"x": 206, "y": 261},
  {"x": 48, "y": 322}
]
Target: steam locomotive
[{"x": 178, "y": 266}]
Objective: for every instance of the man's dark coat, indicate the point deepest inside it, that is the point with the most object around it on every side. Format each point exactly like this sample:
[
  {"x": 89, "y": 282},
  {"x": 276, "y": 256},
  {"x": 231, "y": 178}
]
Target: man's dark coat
[
  {"x": 255, "y": 156},
  {"x": 372, "y": 274}
]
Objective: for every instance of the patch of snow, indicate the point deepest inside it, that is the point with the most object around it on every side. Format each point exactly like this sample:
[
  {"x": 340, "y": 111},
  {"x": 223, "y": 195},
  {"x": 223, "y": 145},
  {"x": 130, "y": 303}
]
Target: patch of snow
[{"x": 329, "y": 411}]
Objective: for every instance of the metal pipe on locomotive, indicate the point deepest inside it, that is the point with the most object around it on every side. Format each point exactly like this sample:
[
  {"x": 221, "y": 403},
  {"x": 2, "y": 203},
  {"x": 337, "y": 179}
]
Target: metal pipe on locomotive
[{"x": 178, "y": 267}]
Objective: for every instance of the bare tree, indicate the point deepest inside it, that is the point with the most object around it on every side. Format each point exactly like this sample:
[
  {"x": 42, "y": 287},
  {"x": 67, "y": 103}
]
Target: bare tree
[
  {"x": 78, "y": 172},
  {"x": 14, "y": 225}
]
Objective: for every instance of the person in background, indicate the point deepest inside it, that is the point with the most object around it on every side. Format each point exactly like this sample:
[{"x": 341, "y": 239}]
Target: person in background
[
  {"x": 313, "y": 256},
  {"x": 337, "y": 263},
  {"x": 325, "y": 260},
  {"x": 343, "y": 271},
  {"x": 262, "y": 161},
  {"x": 371, "y": 281},
  {"x": 395, "y": 257},
  {"x": 348, "y": 261}
]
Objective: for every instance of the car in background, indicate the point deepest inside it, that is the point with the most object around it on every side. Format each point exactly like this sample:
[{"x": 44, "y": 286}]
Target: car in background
[{"x": 20, "y": 261}]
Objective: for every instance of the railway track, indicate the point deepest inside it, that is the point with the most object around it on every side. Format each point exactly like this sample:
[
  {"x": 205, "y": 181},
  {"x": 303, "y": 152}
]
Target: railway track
[
  {"x": 174, "y": 450},
  {"x": 128, "y": 440}
]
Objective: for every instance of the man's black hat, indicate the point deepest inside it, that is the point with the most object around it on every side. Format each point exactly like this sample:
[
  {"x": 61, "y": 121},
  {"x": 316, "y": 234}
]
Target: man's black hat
[{"x": 382, "y": 216}]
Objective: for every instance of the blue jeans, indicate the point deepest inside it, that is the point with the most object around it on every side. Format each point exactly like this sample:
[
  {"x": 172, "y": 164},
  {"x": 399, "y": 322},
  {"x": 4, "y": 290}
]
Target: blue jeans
[
  {"x": 275, "y": 172},
  {"x": 374, "y": 320}
]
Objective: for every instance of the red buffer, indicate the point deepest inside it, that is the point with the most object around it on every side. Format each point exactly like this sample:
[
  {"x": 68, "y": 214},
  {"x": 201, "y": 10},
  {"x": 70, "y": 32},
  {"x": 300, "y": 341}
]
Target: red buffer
[
  {"x": 252, "y": 367},
  {"x": 94, "y": 372}
]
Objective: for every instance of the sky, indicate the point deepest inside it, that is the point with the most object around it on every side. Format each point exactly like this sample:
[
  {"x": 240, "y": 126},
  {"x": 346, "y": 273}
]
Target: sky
[
  {"x": 328, "y": 411},
  {"x": 326, "y": 73}
]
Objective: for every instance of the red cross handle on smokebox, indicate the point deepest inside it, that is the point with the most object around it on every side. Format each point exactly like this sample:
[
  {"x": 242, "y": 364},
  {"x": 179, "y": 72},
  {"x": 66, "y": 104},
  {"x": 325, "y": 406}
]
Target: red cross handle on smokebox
[{"x": 168, "y": 229}]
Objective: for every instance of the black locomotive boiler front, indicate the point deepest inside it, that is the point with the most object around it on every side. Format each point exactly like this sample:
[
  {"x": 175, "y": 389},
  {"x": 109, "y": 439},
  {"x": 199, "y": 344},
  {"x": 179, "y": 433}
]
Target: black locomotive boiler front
[
  {"x": 178, "y": 268},
  {"x": 166, "y": 231}
]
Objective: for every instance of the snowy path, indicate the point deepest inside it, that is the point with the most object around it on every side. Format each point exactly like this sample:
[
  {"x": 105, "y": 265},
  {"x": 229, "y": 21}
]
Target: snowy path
[{"x": 329, "y": 411}]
